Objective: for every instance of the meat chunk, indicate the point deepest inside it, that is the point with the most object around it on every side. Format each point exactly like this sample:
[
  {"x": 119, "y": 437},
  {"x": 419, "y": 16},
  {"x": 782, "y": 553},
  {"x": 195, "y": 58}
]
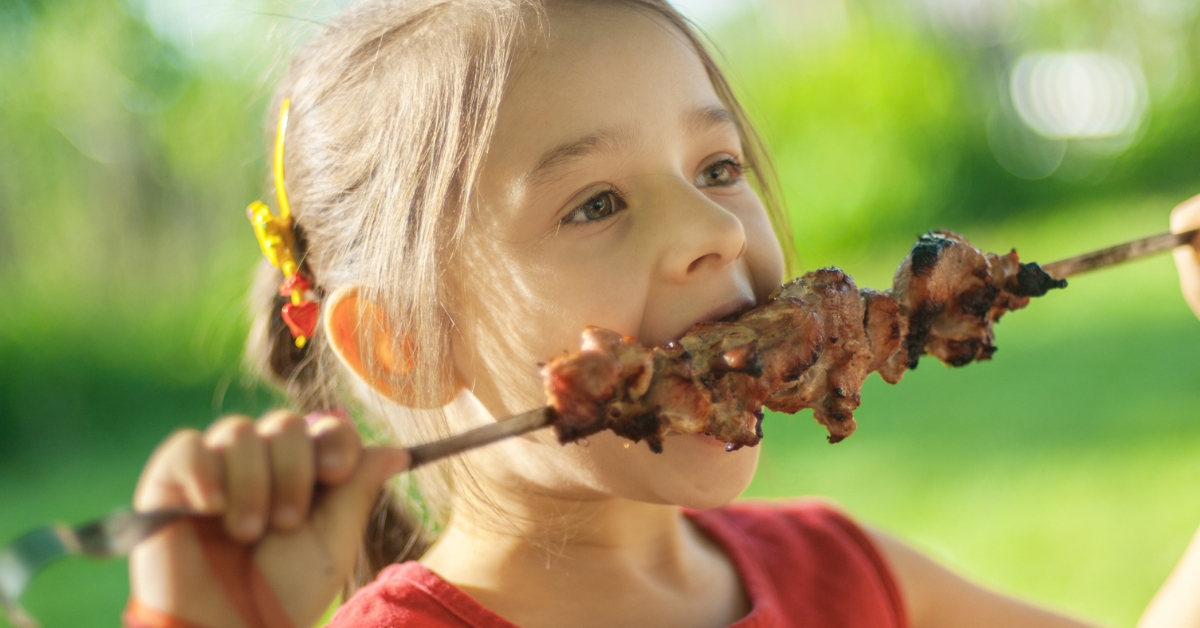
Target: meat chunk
[
  {"x": 831, "y": 385},
  {"x": 952, "y": 294}
]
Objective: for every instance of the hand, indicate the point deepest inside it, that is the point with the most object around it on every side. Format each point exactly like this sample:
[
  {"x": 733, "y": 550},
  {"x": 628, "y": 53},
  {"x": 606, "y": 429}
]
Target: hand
[
  {"x": 1184, "y": 218},
  {"x": 259, "y": 481}
]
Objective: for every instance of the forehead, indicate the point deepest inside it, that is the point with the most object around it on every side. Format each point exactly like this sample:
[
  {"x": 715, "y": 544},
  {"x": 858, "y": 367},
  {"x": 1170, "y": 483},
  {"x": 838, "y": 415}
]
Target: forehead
[{"x": 600, "y": 65}]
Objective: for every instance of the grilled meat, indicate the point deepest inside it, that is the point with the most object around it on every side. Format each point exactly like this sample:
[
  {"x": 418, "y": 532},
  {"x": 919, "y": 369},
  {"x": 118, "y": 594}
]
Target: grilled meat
[
  {"x": 952, "y": 294},
  {"x": 810, "y": 345}
]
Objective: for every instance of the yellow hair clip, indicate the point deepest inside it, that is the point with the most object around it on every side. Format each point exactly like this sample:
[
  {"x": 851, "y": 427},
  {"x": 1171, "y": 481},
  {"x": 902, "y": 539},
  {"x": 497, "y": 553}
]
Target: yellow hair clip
[{"x": 277, "y": 240}]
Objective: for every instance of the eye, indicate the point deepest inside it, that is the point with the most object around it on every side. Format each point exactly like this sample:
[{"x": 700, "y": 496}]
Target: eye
[
  {"x": 599, "y": 207},
  {"x": 725, "y": 172}
]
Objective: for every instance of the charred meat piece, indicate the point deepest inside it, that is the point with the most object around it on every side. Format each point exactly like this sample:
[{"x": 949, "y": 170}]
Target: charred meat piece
[
  {"x": 953, "y": 294},
  {"x": 831, "y": 385},
  {"x": 810, "y": 345}
]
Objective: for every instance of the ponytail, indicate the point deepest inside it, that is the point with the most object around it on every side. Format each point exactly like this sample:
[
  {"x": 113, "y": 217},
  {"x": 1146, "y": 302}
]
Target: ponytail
[{"x": 394, "y": 534}]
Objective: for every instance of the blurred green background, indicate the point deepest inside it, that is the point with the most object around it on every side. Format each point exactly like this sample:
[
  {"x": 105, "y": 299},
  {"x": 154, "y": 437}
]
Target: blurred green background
[{"x": 1065, "y": 471}]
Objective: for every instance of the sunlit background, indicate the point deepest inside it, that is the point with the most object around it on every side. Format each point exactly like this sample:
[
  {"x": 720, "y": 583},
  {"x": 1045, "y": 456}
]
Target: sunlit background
[{"x": 1066, "y": 471}]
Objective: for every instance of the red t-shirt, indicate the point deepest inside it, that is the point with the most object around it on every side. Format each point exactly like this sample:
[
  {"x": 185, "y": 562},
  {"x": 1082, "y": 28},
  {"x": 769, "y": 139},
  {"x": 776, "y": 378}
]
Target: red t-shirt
[{"x": 802, "y": 564}]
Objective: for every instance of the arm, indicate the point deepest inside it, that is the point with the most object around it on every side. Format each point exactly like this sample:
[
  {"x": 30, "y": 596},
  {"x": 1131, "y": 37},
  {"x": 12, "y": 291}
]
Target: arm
[
  {"x": 939, "y": 598},
  {"x": 1178, "y": 601}
]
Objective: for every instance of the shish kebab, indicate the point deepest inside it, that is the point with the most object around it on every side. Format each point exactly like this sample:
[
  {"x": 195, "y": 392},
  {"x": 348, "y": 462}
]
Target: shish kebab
[{"x": 810, "y": 345}]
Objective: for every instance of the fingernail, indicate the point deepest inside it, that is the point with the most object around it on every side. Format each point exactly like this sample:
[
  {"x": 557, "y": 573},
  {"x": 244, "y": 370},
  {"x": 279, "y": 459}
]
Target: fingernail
[
  {"x": 249, "y": 526},
  {"x": 286, "y": 516},
  {"x": 331, "y": 461}
]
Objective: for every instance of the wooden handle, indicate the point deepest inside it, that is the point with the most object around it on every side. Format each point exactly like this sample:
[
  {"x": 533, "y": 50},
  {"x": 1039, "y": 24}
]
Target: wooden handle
[{"x": 1120, "y": 253}]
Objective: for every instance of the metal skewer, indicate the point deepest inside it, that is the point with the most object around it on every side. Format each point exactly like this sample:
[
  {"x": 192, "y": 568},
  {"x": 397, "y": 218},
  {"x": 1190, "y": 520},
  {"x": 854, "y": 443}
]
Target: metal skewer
[
  {"x": 117, "y": 534},
  {"x": 1134, "y": 249}
]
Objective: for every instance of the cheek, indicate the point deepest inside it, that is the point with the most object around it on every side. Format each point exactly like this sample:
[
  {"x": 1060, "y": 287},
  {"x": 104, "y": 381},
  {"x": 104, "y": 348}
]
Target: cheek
[
  {"x": 522, "y": 307},
  {"x": 581, "y": 283},
  {"x": 693, "y": 471},
  {"x": 764, "y": 256}
]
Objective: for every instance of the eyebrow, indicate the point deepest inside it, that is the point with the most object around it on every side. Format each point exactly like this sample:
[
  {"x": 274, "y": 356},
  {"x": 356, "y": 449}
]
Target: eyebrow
[
  {"x": 561, "y": 157},
  {"x": 705, "y": 118},
  {"x": 615, "y": 139}
]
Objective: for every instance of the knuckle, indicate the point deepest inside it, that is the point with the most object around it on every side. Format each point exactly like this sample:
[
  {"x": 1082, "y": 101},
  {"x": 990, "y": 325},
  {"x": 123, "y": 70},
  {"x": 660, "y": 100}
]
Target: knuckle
[
  {"x": 232, "y": 419},
  {"x": 193, "y": 444},
  {"x": 178, "y": 446},
  {"x": 345, "y": 441},
  {"x": 230, "y": 430},
  {"x": 277, "y": 413},
  {"x": 1186, "y": 214},
  {"x": 242, "y": 434},
  {"x": 347, "y": 434},
  {"x": 179, "y": 442},
  {"x": 325, "y": 425},
  {"x": 276, "y": 424},
  {"x": 186, "y": 436}
]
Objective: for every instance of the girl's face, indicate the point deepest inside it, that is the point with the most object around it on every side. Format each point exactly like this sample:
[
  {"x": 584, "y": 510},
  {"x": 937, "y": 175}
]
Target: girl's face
[{"x": 612, "y": 195}]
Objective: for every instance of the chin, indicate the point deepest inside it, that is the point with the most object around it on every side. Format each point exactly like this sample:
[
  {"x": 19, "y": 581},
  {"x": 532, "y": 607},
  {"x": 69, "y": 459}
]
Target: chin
[{"x": 694, "y": 471}]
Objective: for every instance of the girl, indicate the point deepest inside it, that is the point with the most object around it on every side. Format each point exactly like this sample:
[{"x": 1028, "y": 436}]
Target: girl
[{"x": 472, "y": 183}]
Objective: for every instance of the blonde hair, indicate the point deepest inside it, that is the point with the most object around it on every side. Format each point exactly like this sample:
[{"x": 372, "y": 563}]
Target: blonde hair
[{"x": 392, "y": 110}]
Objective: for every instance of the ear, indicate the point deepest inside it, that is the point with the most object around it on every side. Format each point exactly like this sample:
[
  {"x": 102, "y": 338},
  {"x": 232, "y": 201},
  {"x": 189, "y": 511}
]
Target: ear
[{"x": 364, "y": 339}]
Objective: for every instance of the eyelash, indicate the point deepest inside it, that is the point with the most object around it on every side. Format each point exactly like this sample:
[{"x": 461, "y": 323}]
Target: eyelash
[
  {"x": 736, "y": 166},
  {"x": 619, "y": 201}
]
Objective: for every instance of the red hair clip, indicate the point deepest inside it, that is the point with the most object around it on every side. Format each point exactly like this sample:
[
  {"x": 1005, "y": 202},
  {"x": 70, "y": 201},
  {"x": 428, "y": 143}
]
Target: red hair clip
[{"x": 277, "y": 239}]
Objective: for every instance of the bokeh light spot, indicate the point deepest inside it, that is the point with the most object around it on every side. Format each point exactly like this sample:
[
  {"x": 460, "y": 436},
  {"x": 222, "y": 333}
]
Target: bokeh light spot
[{"x": 1079, "y": 95}]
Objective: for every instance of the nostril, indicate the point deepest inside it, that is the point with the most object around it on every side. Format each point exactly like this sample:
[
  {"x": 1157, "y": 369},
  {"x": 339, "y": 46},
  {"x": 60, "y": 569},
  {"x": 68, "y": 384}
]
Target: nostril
[{"x": 699, "y": 260}]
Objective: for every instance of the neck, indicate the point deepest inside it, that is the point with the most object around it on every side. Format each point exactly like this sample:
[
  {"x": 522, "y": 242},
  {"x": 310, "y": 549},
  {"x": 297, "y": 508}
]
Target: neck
[
  {"x": 534, "y": 540},
  {"x": 526, "y": 533},
  {"x": 505, "y": 521}
]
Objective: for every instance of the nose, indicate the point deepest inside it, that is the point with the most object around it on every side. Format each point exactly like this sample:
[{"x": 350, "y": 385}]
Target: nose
[{"x": 703, "y": 235}]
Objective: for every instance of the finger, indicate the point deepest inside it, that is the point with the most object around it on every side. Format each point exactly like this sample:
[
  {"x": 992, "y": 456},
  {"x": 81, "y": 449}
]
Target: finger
[
  {"x": 246, "y": 476},
  {"x": 1186, "y": 215},
  {"x": 341, "y": 514},
  {"x": 183, "y": 472},
  {"x": 338, "y": 447},
  {"x": 1188, "y": 265},
  {"x": 292, "y": 475}
]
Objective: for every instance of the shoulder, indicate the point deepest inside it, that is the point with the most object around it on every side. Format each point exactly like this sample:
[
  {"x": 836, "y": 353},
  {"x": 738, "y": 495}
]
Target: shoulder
[
  {"x": 813, "y": 557},
  {"x": 407, "y": 594},
  {"x": 810, "y": 524}
]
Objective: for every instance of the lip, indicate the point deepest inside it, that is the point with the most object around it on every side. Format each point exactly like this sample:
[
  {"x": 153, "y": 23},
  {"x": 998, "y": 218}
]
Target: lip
[
  {"x": 732, "y": 307},
  {"x": 728, "y": 308},
  {"x": 710, "y": 441}
]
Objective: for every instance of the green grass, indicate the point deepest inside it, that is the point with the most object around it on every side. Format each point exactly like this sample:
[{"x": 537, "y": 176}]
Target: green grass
[{"x": 1063, "y": 471}]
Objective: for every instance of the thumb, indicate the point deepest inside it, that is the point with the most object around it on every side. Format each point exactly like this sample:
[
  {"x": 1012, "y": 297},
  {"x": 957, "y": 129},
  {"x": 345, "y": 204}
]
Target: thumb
[{"x": 341, "y": 514}]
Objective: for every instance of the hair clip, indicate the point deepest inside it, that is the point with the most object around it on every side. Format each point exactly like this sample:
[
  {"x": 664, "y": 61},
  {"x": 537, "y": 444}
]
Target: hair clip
[{"x": 277, "y": 239}]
